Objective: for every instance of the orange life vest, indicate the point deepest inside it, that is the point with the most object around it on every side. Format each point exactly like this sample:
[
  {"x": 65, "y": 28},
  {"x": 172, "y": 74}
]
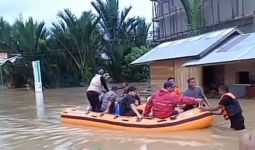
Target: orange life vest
[
  {"x": 177, "y": 91},
  {"x": 224, "y": 109}
]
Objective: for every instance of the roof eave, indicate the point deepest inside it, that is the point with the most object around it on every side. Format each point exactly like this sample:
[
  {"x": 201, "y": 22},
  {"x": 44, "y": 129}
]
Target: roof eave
[{"x": 216, "y": 63}]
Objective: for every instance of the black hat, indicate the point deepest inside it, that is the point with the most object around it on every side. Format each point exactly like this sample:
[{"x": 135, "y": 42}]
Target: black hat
[{"x": 168, "y": 84}]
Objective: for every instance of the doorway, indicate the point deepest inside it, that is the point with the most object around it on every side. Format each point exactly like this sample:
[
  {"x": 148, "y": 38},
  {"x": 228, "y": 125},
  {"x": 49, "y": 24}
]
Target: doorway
[{"x": 213, "y": 76}]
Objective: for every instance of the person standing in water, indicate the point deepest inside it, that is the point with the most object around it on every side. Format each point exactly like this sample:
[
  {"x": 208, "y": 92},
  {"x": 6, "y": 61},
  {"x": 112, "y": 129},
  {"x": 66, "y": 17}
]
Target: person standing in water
[
  {"x": 96, "y": 87},
  {"x": 230, "y": 108}
]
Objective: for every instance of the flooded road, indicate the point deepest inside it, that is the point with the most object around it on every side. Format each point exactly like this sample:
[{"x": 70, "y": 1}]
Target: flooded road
[{"x": 27, "y": 125}]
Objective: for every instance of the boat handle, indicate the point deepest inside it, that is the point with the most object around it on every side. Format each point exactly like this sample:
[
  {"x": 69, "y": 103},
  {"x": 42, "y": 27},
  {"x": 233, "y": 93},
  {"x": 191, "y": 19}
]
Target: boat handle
[
  {"x": 149, "y": 118},
  {"x": 125, "y": 120},
  {"x": 87, "y": 112},
  {"x": 173, "y": 117},
  {"x": 139, "y": 119},
  {"x": 161, "y": 120},
  {"x": 94, "y": 116}
]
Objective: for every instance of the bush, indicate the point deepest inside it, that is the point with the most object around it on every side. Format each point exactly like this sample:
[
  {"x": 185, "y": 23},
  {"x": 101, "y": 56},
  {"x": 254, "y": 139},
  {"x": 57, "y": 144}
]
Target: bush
[{"x": 132, "y": 72}]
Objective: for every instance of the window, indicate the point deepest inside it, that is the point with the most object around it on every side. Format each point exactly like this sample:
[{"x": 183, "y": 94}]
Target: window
[{"x": 243, "y": 77}]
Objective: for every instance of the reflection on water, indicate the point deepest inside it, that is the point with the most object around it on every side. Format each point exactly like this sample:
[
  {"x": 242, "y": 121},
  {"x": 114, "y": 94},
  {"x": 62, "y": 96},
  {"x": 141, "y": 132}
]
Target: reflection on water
[
  {"x": 29, "y": 121},
  {"x": 40, "y": 111}
]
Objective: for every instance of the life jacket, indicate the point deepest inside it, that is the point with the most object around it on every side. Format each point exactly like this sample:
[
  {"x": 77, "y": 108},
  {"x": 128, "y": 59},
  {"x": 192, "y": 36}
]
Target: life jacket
[
  {"x": 177, "y": 91},
  {"x": 232, "y": 109}
]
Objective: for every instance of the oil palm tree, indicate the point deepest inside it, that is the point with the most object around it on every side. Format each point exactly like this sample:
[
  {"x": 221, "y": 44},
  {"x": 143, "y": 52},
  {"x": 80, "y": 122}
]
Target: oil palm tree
[
  {"x": 6, "y": 42},
  {"x": 193, "y": 10},
  {"x": 27, "y": 38},
  {"x": 141, "y": 32},
  {"x": 118, "y": 32},
  {"x": 80, "y": 38},
  {"x": 30, "y": 38}
]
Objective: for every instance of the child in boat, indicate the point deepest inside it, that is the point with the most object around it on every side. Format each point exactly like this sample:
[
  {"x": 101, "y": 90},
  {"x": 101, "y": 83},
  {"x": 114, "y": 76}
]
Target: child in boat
[
  {"x": 127, "y": 104},
  {"x": 125, "y": 87},
  {"x": 230, "y": 108},
  {"x": 108, "y": 100},
  {"x": 162, "y": 103}
]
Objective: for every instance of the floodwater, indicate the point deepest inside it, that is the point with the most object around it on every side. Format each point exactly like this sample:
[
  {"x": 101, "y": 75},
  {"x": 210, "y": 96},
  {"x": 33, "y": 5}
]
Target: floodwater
[{"x": 32, "y": 122}]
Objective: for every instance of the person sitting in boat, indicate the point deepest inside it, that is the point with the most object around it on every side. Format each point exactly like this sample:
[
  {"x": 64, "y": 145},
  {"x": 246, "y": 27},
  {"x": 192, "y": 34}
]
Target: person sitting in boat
[
  {"x": 137, "y": 96},
  {"x": 194, "y": 91},
  {"x": 108, "y": 100},
  {"x": 96, "y": 87},
  {"x": 177, "y": 90},
  {"x": 127, "y": 104},
  {"x": 163, "y": 102},
  {"x": 230, "y": 108}
]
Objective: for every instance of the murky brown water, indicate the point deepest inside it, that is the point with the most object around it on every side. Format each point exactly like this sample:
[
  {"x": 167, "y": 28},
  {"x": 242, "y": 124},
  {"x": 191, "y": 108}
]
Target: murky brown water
[{"x": 27, "y": 125}]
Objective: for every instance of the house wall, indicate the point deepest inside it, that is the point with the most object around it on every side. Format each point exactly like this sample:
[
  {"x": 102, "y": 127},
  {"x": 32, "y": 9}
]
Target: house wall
[
  {"x": 183, "y": 73},
  {"x": 231, "y": 70},
  {"x": 161, "y": 70}
]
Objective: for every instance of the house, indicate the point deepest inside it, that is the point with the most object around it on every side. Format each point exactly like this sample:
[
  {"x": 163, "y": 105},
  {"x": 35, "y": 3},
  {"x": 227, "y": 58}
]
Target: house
[
  {"x": 232, "y": 63},
  {"x": 167, "y": 59},
  {"x": 221, "y": 57},
  {"x": 170, "y": 21}
]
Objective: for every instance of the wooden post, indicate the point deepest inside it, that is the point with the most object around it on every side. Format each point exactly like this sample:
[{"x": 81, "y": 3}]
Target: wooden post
[{"x": 1, "y": 73}]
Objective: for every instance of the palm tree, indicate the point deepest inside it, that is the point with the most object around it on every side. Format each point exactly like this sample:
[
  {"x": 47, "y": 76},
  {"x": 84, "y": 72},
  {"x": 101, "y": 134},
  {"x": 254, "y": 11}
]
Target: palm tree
[
  {"x": 27, "y": 38},
  {"x": 80, "y": 38},
  {"x": 118, "y": 31},
  {"x": 193, "y": 11},
  {"x": 30, "y": 38},
  {"x": 141, "y": 32},
  {"x": 6, "y": 41}
]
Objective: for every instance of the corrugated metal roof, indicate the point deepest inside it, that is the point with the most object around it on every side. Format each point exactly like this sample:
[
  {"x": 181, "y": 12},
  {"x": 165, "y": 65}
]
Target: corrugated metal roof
[
  {"x": 189, "y": 47},
  {"x": 12, "y": 60},
  {"x": 241, "y": 47}
]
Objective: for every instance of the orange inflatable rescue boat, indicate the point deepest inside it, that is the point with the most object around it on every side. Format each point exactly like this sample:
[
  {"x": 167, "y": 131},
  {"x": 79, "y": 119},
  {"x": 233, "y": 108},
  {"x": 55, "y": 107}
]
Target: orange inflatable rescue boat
[{"x": 189, "y": 120}]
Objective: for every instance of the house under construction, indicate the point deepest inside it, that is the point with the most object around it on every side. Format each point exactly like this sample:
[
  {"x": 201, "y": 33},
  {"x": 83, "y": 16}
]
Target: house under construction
[{"x": 170, "y": 21}]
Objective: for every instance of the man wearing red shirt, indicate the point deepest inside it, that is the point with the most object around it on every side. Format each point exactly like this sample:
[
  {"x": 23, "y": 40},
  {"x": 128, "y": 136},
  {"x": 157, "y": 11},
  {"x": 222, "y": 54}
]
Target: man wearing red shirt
[{"x": 163, "y": 102}]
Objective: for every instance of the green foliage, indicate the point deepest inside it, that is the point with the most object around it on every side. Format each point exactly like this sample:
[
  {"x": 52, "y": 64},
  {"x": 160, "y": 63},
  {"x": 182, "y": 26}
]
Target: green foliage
[
  {"x": 141, "y": 32},
  {"x": 118, "y": 31},
  {"x": 79, "y": 37},
  {"x": 135, "y": 73},
  {"x": 70, "y": 51},
  {"x": 193, "y": 9}
]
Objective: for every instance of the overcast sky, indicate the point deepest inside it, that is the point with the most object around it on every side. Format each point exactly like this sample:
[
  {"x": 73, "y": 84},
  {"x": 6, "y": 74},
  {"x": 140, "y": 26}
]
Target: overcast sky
[{"x": 47, "y": 9}]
